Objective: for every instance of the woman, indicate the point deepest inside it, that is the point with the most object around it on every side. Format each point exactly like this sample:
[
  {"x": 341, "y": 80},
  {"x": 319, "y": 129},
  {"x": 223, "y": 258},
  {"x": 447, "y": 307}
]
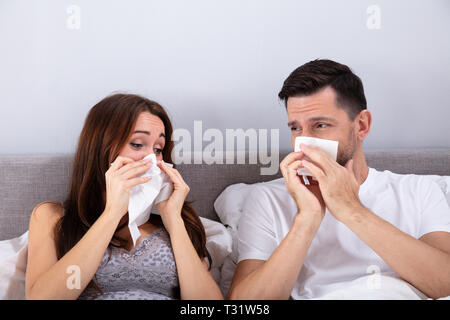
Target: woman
[{"x": 83, "y": 248}]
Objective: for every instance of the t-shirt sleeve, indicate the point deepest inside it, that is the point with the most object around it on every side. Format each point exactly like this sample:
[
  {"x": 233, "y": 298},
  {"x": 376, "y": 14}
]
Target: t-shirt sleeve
[
  {"x": 256, "y": 230},
  {"x": 435, "y": 211}
]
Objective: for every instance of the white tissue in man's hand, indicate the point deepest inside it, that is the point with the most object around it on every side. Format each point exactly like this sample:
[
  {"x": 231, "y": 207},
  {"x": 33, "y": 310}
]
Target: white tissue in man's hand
[
  {"x": 330, "y": 147},
  {"x": 144, "y": 197}
]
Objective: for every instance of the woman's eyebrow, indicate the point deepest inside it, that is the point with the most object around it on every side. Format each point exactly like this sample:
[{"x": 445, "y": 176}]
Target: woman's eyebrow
[
  {"x": 148, "y": 133},
  {"x": 140, "y": 131}
]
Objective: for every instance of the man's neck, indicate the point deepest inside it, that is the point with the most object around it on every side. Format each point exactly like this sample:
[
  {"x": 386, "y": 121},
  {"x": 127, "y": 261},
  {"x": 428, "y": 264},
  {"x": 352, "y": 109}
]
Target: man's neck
[{"x": 360, "y": 167}]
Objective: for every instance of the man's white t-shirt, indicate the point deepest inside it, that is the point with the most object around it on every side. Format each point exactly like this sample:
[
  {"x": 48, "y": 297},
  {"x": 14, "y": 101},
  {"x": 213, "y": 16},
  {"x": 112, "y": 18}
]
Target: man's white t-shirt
[{"x": 414, "y": 204}]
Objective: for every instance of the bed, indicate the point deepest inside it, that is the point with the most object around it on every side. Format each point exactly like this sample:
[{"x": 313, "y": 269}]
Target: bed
[{"x": 26, "y": 180}]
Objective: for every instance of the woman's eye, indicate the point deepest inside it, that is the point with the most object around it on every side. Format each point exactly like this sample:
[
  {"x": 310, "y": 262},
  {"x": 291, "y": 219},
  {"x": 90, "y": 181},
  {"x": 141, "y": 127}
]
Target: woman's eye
[
  {"x": 136, "y": 145},
  {"x": 158, "y": 151}
]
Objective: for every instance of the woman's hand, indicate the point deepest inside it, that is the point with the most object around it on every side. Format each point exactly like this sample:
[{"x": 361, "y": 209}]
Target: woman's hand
[
  {"x": 120, "y": 178},
  {"x": 170, "y": 209}
]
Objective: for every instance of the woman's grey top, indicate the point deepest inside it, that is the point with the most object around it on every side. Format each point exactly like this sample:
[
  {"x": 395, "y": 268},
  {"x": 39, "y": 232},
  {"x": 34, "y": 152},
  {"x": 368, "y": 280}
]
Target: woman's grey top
[{"x": 147, "y": 272}]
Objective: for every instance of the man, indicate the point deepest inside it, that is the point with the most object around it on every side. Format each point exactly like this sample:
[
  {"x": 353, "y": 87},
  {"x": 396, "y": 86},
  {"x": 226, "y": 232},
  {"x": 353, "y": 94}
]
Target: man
[{"x": 298, "y": 241}]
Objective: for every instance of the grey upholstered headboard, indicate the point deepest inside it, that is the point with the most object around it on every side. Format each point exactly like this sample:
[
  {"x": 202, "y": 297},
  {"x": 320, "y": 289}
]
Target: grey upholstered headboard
[{"x": 26, "y": 180}]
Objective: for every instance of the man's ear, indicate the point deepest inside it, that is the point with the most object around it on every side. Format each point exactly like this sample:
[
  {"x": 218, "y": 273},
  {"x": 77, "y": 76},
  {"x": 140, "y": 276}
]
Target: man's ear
[{"x": 362, "y": 124}]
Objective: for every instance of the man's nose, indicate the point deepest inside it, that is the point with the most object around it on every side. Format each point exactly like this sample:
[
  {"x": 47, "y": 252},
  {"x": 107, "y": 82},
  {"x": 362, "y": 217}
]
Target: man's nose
[{"x": 307, "y": 133}]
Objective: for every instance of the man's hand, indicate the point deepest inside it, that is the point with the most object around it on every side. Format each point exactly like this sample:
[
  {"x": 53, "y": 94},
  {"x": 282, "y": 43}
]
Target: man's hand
[
  {"x": 309, "y": 201},
  {"x": 338, "y": 184}
]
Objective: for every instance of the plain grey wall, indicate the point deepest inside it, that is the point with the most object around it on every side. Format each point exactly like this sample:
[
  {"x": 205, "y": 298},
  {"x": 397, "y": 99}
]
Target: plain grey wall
[{"x": 222, "y": 62}]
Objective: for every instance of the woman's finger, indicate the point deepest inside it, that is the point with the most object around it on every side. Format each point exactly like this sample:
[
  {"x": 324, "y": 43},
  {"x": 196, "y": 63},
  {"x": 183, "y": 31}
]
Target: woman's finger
[
  {"x": 136, "y": 181},
  {"x": 169, "y": 171},
  {"x": 119, "y": 162},
  {"x": 135, "y": 171},
  {"x": 176, "y": 177},
  {"x": 133, "y": 165},
  {"x": 178, "y": 174}
]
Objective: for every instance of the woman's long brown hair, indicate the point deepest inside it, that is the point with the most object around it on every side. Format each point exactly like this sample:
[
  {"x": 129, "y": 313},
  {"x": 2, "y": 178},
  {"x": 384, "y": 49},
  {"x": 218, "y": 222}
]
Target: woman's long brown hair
[{"x": 106, "y": 130}]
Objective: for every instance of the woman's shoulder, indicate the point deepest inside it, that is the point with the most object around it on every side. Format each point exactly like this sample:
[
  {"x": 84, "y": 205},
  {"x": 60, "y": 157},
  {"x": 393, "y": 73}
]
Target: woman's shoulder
[{"x": 47, "y": 211}]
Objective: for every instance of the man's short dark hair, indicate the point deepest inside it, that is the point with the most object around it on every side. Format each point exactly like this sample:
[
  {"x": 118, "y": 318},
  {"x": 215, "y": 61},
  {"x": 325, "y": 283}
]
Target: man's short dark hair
[{"x": 318, "y": 74}]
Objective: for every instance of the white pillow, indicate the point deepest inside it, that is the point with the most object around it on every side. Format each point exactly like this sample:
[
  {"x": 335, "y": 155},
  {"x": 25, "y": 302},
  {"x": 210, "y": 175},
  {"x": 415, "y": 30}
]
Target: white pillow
[
  {"x": 218, "y": 241},
  {"x": 229, "y": 203},
  {"x": 229, "y": 265},
  {"x": 219, "y": 245},
  {"x": 228, "y": 206},
  {"x": 13, "y": 264},
  {"x": 444, "y": 183},
  {"x": 13, "y": 258}
]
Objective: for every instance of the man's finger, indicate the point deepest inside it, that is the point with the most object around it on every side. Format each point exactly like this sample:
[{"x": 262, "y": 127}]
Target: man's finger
[
  {"x": 315, "y": 170},
  {"x": 318, "y": 156},
  {"x": 292, "y": 168},
  {"x": 289, "y": 159},
  {"x": 349, "y": 167}
]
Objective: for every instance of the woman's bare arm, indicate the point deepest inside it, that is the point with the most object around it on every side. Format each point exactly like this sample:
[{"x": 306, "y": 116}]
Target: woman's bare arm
[{"x": 46, "y": 277}]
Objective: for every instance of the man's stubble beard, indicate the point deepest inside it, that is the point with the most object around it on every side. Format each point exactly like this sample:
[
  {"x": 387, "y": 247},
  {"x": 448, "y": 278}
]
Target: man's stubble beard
[{"x": 348, "y": 150}]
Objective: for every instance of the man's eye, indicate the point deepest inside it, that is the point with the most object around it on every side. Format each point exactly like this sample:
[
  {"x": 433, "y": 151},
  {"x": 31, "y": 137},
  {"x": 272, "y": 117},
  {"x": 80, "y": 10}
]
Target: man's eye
[
  {"x": 322, "y": 125},
  {"x": 158, "y": 151},
  {"x": 295, "y": 129},
  {"x": 136, "y": 145}
]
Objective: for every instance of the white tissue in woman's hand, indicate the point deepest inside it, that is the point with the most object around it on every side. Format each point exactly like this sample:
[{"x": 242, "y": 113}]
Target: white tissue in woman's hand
[
  {"x": 144, "y": 197},
  {"x": 330, "y": 147}
]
